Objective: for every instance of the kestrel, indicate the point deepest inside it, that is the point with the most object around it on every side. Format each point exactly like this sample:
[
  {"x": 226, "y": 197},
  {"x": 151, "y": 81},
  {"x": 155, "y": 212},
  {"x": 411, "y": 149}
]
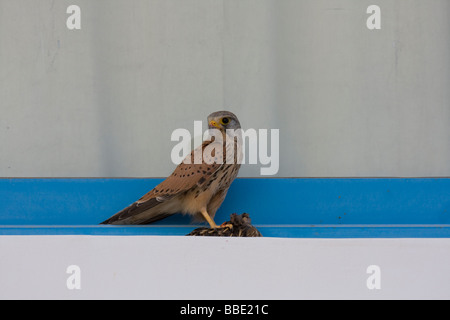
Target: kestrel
[{"x": 194, "y": 189}]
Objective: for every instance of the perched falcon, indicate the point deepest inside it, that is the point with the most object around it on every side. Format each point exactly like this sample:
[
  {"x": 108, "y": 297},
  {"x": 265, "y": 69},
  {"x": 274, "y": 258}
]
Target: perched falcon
[{"x": 198, "y": 188}]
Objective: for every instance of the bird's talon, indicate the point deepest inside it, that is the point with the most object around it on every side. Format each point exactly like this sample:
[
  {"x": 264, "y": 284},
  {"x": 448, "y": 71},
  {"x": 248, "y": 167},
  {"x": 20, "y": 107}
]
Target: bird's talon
[{"x": 226, "y": 225}]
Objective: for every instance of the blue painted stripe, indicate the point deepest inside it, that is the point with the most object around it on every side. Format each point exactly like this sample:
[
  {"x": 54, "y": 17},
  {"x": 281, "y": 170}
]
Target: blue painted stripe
[
  {"x": 297, "y": 231},
  {"x": 297, "y": 207}
]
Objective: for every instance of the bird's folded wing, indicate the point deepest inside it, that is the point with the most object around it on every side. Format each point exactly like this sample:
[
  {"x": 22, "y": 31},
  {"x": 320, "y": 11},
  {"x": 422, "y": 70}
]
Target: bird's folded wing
[{"x": 185, "y": 177}]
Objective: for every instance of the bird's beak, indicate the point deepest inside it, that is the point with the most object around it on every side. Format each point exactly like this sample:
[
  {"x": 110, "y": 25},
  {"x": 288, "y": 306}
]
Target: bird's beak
[{"x": 213, "y": 124}]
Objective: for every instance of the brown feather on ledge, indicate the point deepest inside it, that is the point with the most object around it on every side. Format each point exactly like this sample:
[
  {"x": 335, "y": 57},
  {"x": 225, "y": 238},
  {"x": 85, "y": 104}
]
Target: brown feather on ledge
[{"x": 238, "y": 226}]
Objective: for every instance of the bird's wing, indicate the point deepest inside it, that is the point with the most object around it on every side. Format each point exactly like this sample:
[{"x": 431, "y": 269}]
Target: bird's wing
[{"x": 185, "y": 177}]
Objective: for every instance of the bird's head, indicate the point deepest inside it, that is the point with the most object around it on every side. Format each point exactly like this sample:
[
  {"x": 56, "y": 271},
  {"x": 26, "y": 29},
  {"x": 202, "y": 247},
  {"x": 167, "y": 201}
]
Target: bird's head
[{"x": 223, "y": 120}]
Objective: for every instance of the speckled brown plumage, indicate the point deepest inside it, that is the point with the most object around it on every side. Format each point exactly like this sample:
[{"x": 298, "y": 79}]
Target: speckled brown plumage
[{"x": 238, "y": 226}]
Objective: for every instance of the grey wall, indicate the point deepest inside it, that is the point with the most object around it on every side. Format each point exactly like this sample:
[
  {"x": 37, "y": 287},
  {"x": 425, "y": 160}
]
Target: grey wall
[{"x": 103, "y": 101}]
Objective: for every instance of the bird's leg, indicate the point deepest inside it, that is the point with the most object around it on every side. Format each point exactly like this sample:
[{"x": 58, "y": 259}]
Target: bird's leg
[{"x": 209, "y": 219}]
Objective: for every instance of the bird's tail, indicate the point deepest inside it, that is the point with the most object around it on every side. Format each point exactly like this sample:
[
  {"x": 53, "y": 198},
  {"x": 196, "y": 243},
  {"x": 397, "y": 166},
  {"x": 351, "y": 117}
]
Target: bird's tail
[{"x": 140, "y": 213}]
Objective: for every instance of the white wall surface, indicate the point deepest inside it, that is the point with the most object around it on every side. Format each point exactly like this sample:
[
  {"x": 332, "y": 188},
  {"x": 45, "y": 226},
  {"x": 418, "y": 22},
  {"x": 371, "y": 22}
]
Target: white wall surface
[
  {"x": 103, "y": 101},
  {"x": 35, "y": 267}
]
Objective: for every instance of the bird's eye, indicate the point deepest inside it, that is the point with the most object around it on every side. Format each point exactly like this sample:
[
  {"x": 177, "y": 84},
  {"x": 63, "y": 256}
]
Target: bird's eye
[{"x": 225, "y": 121}]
